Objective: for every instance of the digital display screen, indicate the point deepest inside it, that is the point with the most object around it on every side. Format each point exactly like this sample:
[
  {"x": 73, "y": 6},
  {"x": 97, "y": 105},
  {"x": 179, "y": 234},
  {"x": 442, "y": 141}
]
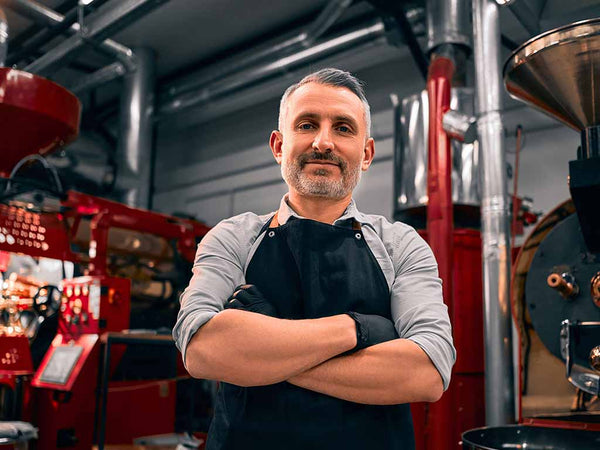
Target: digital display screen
[{"x": 61, "y": 364}]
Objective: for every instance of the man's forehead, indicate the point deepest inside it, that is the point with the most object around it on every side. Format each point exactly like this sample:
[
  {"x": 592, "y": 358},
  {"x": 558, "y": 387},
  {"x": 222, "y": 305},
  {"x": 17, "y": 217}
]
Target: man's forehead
[{"x": 337, "y": 100}]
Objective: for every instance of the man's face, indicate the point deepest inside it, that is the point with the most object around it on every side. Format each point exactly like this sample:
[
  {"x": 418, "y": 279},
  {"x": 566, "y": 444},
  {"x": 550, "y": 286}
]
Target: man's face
[{"x": 323, "y": 144}]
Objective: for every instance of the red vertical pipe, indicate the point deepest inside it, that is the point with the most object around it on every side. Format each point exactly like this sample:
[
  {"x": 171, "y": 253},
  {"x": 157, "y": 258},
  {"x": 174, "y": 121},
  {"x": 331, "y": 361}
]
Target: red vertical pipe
[{"x": 440, "y": 227}]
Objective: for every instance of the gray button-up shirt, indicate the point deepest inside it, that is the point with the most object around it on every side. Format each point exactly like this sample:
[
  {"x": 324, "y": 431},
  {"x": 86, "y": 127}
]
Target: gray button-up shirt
[{"x": 417, "y": 307}]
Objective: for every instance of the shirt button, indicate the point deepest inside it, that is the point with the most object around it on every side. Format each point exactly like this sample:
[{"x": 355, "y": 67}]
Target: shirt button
[
  {"x": 358, "y": 236},
  {"x": 271, "y": 233}
]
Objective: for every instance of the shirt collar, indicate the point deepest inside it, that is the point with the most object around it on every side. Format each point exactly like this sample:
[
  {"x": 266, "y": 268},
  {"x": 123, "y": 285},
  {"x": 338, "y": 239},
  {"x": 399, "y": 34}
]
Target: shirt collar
[{"x": 285, "y": 212}]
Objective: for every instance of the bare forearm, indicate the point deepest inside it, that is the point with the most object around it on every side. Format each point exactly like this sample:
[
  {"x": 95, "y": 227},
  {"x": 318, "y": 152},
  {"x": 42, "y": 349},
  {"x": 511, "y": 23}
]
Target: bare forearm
[
  {"x": 250, "y": 349},
  {"x": 393, "y": 372}
]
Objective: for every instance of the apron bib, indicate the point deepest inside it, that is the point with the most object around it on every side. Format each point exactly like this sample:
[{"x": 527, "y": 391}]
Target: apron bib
[{"x": 309, "y": 269}]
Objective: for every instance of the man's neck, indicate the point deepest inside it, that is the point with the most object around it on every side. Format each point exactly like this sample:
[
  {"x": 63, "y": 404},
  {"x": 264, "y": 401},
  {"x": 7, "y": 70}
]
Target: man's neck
[{"x": 321, "y": 209}]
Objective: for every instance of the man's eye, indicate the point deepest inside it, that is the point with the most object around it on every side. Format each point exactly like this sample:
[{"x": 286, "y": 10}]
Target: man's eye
[
  {"x": 306, "y": 126},
  {"x": 344, "y": 129}
]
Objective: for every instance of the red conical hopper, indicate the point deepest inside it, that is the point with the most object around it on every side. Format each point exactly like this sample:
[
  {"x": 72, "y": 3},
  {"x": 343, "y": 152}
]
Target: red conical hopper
[
  {"x": 36, "y": 116},
  {"x": 559, "y": 73}
]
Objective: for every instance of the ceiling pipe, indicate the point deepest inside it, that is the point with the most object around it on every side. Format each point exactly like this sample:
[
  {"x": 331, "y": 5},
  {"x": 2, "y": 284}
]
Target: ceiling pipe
[
  {"x": 98, "y": 78},
  {"x": 282, "y": 65},
  {"x": 108, "y": 19},
  {"x": 499, "y": 380},
  {"x": 304, "y": 39},
  {"x": 261, "y": 91},
  {"x": 47, "y": 17},
  {"x": 28, "y": 43},
  {"x": 3, "y": 37}
]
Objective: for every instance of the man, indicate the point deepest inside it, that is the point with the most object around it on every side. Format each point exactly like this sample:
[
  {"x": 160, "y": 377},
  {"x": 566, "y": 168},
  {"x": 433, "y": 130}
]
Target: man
[{"x": 321, "y": 323}]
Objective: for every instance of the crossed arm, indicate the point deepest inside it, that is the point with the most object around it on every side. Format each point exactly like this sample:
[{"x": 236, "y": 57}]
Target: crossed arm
[{"x": 250, "y": 349}]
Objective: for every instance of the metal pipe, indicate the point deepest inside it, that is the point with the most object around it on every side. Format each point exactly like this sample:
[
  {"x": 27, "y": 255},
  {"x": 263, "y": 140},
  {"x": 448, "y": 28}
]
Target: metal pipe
[
  {"x": 136, "y": 131},
  {"x": 499, "y": 381},
  {"x": 448, "y": 23},
  {"x": 99, "y": 77},
  {"x": 3, "y": 37},
  {"x": 108, "y": 19},
  {"x": 283, "y": 65},
  {"x": 460, "y": 126},
  {"x": 35, "y": 11},
  {"x": 304, "y": 39},
  {"x": 50, "y": 18}
]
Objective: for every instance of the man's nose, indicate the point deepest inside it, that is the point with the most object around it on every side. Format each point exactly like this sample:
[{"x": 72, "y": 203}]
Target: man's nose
[{"x": 324, "y": 140}]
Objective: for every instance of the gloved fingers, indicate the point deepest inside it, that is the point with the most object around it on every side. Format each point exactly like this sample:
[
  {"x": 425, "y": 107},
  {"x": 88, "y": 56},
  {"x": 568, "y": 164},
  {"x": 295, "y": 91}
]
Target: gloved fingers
[
  {"x": 234, "y": 303},
  {"x": 245, "y": 288},
  {"x": 246, "y": 297}
]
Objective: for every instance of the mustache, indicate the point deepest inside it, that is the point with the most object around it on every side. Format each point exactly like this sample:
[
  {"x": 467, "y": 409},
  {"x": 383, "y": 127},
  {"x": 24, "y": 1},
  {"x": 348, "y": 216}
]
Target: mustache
[{"x": 318, "y": 156}]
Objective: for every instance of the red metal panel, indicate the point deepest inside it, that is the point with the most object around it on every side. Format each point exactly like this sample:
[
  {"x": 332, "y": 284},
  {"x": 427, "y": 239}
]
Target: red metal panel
[
  {"x": 464, "y": 399},
  {"x": 467, "y": 316},
  {"x": 140, "y": 408}
]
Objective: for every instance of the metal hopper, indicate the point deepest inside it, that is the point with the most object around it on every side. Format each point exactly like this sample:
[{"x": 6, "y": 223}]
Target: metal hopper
[{"x": 558, "y": 72}]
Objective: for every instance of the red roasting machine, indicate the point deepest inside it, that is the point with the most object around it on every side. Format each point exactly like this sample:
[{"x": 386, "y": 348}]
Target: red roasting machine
[{"x": 63, "y": 326}]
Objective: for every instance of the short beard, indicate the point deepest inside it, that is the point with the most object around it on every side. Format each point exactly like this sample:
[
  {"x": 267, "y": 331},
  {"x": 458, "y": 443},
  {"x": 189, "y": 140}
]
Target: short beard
[{"x": 318, "y": 184}]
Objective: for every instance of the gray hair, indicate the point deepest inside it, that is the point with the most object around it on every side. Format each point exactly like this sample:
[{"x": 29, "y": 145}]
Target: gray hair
[{"x": 330, "y": 77}]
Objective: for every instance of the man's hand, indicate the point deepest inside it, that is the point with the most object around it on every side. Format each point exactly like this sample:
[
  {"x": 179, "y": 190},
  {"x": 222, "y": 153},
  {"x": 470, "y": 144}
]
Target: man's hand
[
  {"x": 247, "y": 297},
  {"x": 372, "y": 330}
]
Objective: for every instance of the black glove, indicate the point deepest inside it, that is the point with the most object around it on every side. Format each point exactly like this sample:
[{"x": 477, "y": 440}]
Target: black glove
[
  {"x": 372, "y": 329},
  {"x": 247, "y": 297}
]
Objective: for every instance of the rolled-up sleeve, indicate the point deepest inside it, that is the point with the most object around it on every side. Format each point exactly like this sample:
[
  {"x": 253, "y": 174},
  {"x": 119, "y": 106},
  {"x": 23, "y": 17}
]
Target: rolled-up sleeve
[
  {"x": 418, "y": 308},
  {"x": 218, "y": 269}
]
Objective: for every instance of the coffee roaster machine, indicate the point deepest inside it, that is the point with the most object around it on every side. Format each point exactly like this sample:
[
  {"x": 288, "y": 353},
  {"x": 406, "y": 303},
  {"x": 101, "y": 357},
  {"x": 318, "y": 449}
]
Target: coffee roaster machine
[
  {"x": 126, "y": 262},
  {"x": 556, "y": 275},
  {"x": 555, "y": 289}
]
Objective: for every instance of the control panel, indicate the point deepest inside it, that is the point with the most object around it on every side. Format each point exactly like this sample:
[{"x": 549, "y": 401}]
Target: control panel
[{"x": 94, "y": 305}]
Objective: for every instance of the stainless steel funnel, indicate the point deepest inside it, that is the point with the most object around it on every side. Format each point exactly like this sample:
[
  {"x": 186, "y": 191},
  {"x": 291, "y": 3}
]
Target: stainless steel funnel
[{"x": 558, "y": 72}]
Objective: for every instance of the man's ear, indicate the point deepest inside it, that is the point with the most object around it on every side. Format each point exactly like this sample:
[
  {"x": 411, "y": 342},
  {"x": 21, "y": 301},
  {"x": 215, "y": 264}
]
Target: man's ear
[
  {"x": 369, "y": 154},
  {"x": 276, "y": 142}
]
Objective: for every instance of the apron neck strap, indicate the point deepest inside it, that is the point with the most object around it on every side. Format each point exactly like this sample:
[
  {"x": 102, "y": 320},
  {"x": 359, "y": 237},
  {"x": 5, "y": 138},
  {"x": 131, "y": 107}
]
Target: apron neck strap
[{"x": 275, "y": 223}]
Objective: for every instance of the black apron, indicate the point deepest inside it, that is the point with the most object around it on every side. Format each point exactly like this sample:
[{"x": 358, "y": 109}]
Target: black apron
[{"x": 309, "y": 269}]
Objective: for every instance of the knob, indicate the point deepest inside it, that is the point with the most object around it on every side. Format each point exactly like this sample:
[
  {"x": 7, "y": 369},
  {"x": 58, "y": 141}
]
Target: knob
[{"x": 564, "y": 283}]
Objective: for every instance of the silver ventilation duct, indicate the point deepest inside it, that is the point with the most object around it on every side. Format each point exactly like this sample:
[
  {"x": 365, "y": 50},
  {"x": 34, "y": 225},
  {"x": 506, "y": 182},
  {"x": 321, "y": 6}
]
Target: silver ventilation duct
[
  {"x": 448, "y": 23},
  {"x": 136, "y": 135},
  {"x": 499, "y": 381}
]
